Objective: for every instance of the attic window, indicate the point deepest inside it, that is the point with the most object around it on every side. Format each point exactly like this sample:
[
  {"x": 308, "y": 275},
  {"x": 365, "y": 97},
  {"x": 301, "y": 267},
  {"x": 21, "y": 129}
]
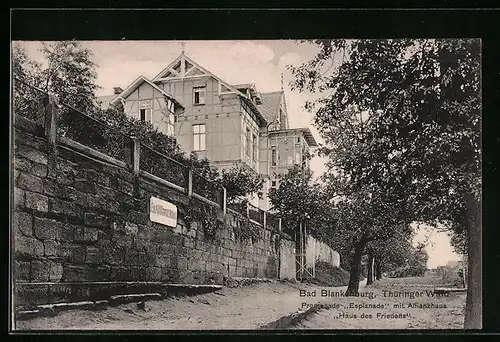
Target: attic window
[
  {"x": 199, "y": 95},
  {"x": 146, "y": 111}
]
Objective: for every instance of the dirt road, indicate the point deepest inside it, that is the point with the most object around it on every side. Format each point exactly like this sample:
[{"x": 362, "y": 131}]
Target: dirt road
[{"x": 252, "y": 306}]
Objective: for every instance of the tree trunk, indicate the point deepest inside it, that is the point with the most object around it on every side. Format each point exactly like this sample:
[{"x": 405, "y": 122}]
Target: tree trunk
[
  {"x": 369, "y": 277},
  {"x": 378, "y": 270},
  {"x": 474, "y": 302},
  {"x": 355, "y": 270}
]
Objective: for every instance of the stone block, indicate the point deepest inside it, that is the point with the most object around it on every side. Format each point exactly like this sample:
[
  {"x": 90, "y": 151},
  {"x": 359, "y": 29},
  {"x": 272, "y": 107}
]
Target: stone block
[
  {"x": 58, "y": 206},
  {"x": 232, "y": 271},
  {"x": 22, "y": 164},
  {"x": 23, "y": 222},
  {"x": 32, "y": 154},
  {"x": 196, "y": 264},
  {"x": 163, "y": 260},
  {"x": 66, "y": 232},
  {"x": 138, "y": 217},
  {"x": 85, "y": 185},
  {"x": 28, "y": 247},
  {"x": 186, "y": 277},
  {"x": 78, "y": 197},
  {"x": 86, "y": 273},
  {"x": 104, "y": 181},
  {"x": 84, "y": 234},
  {"x": 30, "y": 183},
  {"x": 50, "y": 248},
  {"x": 21, "y": 270},
  {"x": 96, "y": 220},
  {"x": 138, "y": 273},
  {"x": 49, "y": 187},
  {"x": 120, "y": 273},
  {"x": 182, "y": 263},
  {"x": 65, "y": 177},
  {"x": 18, "y": 198},
  {"x": 114, "y": 256},
  {"x": 188, "y": 242},
  {"x": 39, "y": 170},
  {"x": 125, "y": 187},
  {"x": 153, "y": 273},
  {"x": 46, "y": 229},
  {"x": 40, "y": 271},
  {"x": 55, "y": 271},
  {"x": 94, "y": 255},
  {"x": 122, "y": 241}
]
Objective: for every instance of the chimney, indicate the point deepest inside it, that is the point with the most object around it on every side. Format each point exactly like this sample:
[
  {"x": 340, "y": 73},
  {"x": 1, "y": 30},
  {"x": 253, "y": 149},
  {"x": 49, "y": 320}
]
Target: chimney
[{"x": 117, "y": 90}]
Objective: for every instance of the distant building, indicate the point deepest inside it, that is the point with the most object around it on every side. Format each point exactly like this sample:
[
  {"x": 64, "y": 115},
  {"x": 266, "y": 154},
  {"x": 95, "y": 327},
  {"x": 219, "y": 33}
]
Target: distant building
[{"x": 228, "y": 124}]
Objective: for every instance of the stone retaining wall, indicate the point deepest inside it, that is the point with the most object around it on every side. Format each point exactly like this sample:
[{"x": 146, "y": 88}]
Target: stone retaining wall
[{"x": 80, "y": 219}]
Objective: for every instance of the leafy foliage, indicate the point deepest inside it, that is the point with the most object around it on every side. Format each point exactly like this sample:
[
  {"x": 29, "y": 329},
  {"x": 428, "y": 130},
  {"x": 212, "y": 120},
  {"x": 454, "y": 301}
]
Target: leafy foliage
[
  {"x": 402, "y": 114},
  {"x": 401, "y": 122},
  {"x": 414, "y": 264},
  {"x": 239, "y": 182},
  {"x": 297, "y": 199},
  {"x": 247, "y": 231}
]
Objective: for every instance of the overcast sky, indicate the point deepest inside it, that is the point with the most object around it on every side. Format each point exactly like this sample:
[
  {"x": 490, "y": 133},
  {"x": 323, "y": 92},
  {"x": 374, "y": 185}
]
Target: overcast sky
[{"x": 236, "y": 62}]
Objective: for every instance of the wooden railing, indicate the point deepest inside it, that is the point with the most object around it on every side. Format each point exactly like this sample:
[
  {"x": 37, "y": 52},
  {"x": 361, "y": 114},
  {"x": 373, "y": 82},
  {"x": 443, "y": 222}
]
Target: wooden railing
[{"x": 64, "y": 124}]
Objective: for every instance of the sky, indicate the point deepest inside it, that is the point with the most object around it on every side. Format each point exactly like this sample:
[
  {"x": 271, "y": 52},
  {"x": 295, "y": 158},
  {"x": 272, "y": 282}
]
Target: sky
[{"x": 236, "y": 62}]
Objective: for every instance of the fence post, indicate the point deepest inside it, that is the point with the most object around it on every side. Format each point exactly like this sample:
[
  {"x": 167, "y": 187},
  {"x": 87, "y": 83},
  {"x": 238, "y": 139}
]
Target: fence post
[
  {"x": 264, "y": 219},
  {"x": 136, "y": 155},
  {"x": 279, "y": 224},
  {"x": 50, "y": 126},
  {"x": 224, "y": 200},
  {"x": 51, "y": 116},
  {"x": 190, "y": 183},
  {"x": 248, "y": 209}
]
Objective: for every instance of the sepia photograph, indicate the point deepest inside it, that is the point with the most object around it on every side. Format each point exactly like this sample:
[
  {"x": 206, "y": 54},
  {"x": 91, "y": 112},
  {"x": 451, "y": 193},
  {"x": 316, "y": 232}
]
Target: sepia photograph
[{"x": 330, "y": 184}]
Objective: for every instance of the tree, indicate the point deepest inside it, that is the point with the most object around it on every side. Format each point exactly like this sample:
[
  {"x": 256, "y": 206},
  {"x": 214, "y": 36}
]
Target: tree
[
  {"x": 388, "y": 255},
  {"x": 240, "y": 181},
  {"x": 300, "y": 200},
  {"x": 71, "y": 74},
  {"x": 405, "y": 115}
]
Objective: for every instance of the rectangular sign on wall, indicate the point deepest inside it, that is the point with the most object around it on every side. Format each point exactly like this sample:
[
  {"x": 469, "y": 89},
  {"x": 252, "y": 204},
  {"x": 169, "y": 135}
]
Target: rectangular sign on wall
[{"x": 162, "y": 212}]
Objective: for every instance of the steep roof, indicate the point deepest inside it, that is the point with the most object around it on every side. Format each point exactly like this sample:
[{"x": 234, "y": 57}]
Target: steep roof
[
  {"x": 183, "y": 59},
  {"x": 270, "y": 105},
  {"x": 134, "y": 85}
]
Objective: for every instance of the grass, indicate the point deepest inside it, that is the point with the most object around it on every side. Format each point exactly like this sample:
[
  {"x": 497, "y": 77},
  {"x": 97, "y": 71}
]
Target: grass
[{"x": 329, "y": 275}]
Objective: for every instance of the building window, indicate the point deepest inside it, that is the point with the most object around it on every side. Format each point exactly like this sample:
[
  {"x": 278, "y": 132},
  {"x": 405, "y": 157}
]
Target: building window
[
  {"x": 199, "y": 137},
  {"x": 249, "y": 143},
  {"x": 254, "y": 147},
  {"x": 146, "y": 111},
  {"x": 289, "y": 160},
  {"x": 297, "y": 158},
  {"x": 298, "y": 140},
  {"x": 274, "y": 157},
  {"x": 171, "y": 106},
  {"x": 198, "y": 95}
]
